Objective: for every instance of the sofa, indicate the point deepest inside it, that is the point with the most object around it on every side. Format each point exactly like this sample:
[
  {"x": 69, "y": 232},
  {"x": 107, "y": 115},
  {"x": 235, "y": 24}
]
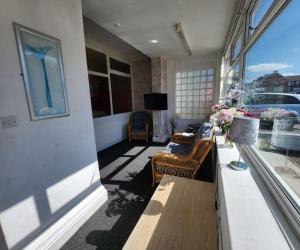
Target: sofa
[
  {"x": 182, "y": 156},
  {"x": 179, "y": 125}
]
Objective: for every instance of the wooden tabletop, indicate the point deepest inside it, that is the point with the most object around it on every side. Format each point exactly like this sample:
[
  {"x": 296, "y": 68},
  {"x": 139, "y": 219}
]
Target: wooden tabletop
[{"x": 180, "y": 215}]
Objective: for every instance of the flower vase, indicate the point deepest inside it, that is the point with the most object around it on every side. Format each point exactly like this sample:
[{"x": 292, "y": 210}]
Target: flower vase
[{"x": 228, "y": 143}]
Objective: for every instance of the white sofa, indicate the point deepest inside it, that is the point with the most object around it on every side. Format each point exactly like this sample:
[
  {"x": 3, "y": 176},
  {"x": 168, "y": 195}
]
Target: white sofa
[{"x": 180, "y": 124}]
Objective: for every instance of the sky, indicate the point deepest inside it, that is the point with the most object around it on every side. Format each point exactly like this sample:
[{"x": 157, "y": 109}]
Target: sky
[{"x": 278, "y": 49}]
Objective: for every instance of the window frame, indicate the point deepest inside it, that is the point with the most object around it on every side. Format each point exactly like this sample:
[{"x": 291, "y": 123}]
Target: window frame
[
  {"x": 238, "y": 36},
  {"x": 250, "y": 11},
  {"x": 109, "y": 72},
  {"x": 284, "y": 201}
]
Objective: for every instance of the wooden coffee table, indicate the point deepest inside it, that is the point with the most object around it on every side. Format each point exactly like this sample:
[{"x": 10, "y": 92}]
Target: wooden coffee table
[{"x": 180, "y": 215}]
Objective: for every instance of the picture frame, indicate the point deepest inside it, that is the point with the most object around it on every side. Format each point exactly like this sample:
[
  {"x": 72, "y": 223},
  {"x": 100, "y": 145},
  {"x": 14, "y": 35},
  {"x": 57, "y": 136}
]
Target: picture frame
[{"x": 43, "y": 73}]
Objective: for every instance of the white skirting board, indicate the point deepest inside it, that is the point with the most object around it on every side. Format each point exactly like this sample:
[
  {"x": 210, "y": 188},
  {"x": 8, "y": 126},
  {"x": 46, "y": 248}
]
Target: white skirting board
[{"x": 60, "y": 232}]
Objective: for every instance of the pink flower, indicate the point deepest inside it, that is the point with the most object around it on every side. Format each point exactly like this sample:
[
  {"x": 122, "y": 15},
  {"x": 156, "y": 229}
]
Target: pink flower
[
  {"x": 225, "y": 115},
  {"x": 245, "y": 112},
  {"x": 218, "y": 107}
]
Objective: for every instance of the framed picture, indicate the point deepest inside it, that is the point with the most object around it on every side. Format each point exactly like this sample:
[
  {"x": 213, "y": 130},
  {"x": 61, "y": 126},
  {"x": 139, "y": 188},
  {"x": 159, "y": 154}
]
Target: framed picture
[{"x": 43, "y": 73}]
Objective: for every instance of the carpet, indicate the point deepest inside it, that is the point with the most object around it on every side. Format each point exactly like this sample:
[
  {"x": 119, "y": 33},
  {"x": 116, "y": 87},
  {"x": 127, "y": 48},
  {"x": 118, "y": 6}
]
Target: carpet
[{"x": 125, "y": 171}]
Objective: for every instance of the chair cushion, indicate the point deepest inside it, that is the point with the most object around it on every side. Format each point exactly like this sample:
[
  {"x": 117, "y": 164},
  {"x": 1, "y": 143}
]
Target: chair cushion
[
  {"x": 139, "y": 121},
  {"x": 194, "y": 128},
  {"x": 138, "y": 130},
  {"x": 206, "y": 130},
  {"x": 178, "y": 149}
]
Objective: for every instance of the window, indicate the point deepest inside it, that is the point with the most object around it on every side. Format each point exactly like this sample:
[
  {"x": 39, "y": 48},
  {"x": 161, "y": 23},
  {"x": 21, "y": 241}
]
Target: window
[
  {"x": 107, "y": 92},
  {"x": 96, "y": 61},
  {"x": 99, "y": 90},
  {"x": 237, "y": 47},
  {"x": 270, "y": 64},
  {"x": 194, "y": 93},
  {"x": 120, "y": 86},
  {"x": 258, "y": 12},
  {"x": 119, "y": 66},
  {"x": 121, "y": 93},
  {"x": 233, "y": 78}
]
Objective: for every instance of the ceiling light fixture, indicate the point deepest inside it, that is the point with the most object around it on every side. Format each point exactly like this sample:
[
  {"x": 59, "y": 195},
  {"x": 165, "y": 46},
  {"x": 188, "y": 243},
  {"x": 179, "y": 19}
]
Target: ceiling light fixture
[
  {"x": 186, "y": 46},
  {"x": 154, "y": 41}
]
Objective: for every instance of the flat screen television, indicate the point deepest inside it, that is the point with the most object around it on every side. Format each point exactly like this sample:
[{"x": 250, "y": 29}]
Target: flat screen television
[{"x": 156, "y": 101}]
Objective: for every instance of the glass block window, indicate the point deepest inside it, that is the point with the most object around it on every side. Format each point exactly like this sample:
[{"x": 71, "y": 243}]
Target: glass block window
[{"x": 194, "y": 93}]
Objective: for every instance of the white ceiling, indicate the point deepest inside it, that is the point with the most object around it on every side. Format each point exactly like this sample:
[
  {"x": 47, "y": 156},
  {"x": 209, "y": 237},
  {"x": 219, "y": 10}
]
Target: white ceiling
[{"x": 205, "y": 22}]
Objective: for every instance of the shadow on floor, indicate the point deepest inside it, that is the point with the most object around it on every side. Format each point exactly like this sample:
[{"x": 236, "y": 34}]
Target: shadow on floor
[
  {"x": 112, "y": 224},
  {"x": 128, "y": 201},
  {"x": 129, "y": 187}
]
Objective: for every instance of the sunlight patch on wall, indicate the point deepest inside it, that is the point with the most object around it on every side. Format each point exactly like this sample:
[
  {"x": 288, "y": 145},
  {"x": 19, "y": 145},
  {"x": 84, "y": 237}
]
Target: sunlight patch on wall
[
  {"x": 19, "y": 221},
  {"x": 72, "y": 186}
]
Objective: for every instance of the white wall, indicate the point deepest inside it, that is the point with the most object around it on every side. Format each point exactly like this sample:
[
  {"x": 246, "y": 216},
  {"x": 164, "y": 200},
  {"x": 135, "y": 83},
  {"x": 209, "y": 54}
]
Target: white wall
[
  {"x": 47, "y": 166},
  {"x": 110, "y": 129}
]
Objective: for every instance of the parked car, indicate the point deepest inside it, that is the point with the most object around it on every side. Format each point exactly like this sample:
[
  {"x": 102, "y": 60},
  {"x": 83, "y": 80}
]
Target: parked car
[{"x": 260, "y": 102}]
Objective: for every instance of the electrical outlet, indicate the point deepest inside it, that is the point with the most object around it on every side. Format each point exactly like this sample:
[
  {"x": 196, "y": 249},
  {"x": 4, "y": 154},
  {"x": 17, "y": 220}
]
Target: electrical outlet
[{"x": 8, "y": 121}]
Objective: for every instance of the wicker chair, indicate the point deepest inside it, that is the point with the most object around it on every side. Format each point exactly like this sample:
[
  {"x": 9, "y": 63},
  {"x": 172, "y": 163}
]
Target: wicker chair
[
  {"x": 179, "y": 138},
  {"x": 138, "y": 126},
  {"x": 181, "y": 165}
]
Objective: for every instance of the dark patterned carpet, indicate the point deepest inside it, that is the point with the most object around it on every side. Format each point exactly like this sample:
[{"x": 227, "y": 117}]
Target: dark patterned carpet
[{"x": 125, "y": 171}]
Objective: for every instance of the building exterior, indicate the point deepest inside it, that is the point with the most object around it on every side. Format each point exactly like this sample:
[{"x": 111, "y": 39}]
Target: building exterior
[{"x": 275, "y": 83}]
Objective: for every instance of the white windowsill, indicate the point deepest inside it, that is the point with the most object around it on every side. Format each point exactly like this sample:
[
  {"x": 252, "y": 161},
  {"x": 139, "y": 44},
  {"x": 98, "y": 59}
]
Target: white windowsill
[{"x": 246, "y": 219}]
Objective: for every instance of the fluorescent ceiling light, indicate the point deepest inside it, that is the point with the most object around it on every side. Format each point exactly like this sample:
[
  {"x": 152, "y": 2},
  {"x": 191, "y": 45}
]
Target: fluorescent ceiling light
[
  {"x": 154, "y": 41},
  {"x": 186, "y": 46}
]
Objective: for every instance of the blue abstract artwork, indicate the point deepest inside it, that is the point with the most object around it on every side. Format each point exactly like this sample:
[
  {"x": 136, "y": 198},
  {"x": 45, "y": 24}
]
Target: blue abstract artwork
[{"x": 43, "y": 74}]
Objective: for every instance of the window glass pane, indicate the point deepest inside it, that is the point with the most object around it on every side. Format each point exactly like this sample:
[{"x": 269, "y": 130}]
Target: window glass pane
[
  {"x": 258, "y": 13},
  {"x": 119, "y": 66},
  {"x": 99, "y": 91},
  {"x": 271, "y": 67},
  {"x": 193, "y": 84},
  {"x": 121, "y": 94},
  {"x": 203, "y": 72},
  {"x": 237, "y": 48},
  {"x": 210, "y": 71},
  {"x": 96, "y": 61},
  {"x": 232, "y": 78}
]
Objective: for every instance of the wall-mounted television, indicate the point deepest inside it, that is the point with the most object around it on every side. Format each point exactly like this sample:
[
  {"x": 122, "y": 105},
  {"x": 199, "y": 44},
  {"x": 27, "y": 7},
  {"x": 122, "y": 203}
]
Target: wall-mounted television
[{"x": 156, "y": 101}]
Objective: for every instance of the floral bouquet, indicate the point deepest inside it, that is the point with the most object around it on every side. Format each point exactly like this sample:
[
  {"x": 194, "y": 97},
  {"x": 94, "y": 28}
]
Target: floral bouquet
[
  {"x": 267, "y": 117},
  {"x": 272, "y": 113},
  {"x": 218, "y": 107},
  {"x": 225, "y": 116}
]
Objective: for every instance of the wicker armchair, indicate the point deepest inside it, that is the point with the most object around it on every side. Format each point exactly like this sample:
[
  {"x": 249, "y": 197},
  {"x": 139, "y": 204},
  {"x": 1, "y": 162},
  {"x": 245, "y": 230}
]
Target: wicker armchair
[
  {"x": 181, "y": 165},
  {"x": 179, "y": 138},
  {"x": 138, "y": 126}
]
